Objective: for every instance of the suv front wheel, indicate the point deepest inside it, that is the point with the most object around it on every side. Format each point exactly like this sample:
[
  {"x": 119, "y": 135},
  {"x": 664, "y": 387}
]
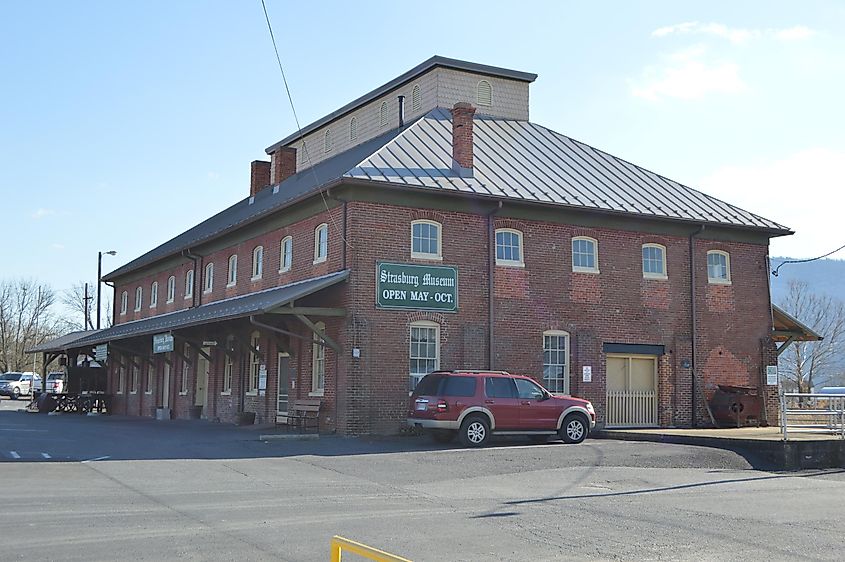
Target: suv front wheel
[
  {"x": 16, "y": 393},
  {"x": 475, "y": 431},
  {"x": 574, "y": 428}
]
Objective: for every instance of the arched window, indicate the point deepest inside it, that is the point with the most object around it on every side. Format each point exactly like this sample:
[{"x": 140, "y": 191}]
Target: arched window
[
  {"x": 654, "y": 261},
  {"x": 254, "y": 363},
  {"x": 321, "y": 243},
  {"x": 124, "y": 302},
  {"x": 186, "y": 370},
  {"x": 425, "y": 240},
  {"x": 509, "y": 247},
  {"x": 154, "y": 294},
  {"x": 556, "y": 361},
  {"x": 353, "y": 128},
  {"x": 318, "y": 363},
  {"x": 139, "y": 296},
  {"x": 719, "y": 267},
  {"x": 232, "y": 275},
  {"x": 485, "y": 93},
  {"x": 209, "y": 278},
  {"x": 327, "y": 141},
  {"x": 286, "y": 257},
  {"x": 416, "y": 98},
  {"x": 189, "y": 284},
  {"x": 171, "y": 289},
  {"x": 382, "y": 114},
  {"x": 585, "y": 257},
  {"x": 257, "y": 262},
  {"x": 424, "y": 354}
]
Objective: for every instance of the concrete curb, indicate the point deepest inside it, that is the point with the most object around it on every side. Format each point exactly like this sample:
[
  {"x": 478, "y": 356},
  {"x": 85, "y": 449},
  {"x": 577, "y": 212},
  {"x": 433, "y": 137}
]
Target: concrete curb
[{"x": 289, "y": 437}]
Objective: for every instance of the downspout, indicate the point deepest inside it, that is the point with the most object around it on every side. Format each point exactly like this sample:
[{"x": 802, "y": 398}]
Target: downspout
[
  {"x": 693, "y": 324},
  {"x": 196, "y": 299},
  {"x": 345, "y": 242},
  {"x": 763, "y": 382},
  {"x": 491, "y": 266}
]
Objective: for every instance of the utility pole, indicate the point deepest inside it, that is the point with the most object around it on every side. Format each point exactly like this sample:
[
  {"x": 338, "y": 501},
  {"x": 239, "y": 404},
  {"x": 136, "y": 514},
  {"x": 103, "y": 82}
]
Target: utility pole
[{"x": 86, "y": 308}]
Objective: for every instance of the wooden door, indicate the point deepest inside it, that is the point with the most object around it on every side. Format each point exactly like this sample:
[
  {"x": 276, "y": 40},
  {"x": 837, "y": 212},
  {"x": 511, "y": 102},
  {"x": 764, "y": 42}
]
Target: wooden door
[{"x": 631, "y": 391}]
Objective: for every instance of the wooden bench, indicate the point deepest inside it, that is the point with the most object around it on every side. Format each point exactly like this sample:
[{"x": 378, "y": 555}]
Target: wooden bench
[{"x": 303, "y": 413}]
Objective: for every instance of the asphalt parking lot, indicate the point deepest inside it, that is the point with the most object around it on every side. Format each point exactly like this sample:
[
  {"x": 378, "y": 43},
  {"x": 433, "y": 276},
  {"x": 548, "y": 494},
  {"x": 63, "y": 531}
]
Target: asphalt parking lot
[{"x": 102, "y": 488}]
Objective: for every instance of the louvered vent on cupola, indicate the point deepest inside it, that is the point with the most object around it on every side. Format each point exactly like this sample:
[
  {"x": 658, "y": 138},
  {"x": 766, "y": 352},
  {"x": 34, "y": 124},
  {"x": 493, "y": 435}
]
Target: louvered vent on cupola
[
  {"x": 416, "y": 98},
  {"x": 383, "y": 114},
  {"x": 485, "y": 93},
  {"x": 353, "y": 129}
]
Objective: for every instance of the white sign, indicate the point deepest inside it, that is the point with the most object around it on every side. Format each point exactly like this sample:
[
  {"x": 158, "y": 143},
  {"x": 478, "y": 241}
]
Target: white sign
[
  {"x": 262, "y": 379},
  {"x": 587, "y": 371},
  {"x": 101, "y": 352},
  {"x": 772, "y": 375}
]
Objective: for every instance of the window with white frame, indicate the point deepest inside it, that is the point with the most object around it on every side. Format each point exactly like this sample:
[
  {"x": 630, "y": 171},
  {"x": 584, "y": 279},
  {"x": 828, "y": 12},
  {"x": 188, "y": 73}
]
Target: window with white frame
[
  {"x": 139, "y": 297},
  {"x": 509, "y": 247},
  {"x": 353, "y": 129},
  {"x": 654, "y": 261},
  {"x": 208, "y": 285},
  {"x": 484, "y": 93},
  {"x": 425, "y": 240},
  {"x": 257, "y": 262},
  {"x": 186, "y": 370},
  {"x": 416, "y": 98},
  {"x": 154, "y": 294},
  {"x": 321, "y": 243},
  {"x": 228, "y": 366},
  {"x": 318, "y": 362},
  {"x": 121, "y": 379},
  {"x": 556, "y": 361},
  {"x": 718, "y": 267},
  {"x": 585, "y": 256},
  {"x": 286, "y": 257},
  {"x": 189, "y": 284},
  {"x": 254, "y": 363},
  {"x": 232, "y": 274},
  {"x": 424, "y": 353},
  {"x": 171, "y": 289},
  {"x": 124, "y": 302},
  {"x": 382, "y": 114},
  {"x": 151, "y": 373}
]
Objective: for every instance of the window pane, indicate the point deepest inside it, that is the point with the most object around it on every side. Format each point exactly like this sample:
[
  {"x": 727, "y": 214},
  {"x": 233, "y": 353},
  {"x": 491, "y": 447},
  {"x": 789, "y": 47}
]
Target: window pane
[
  {"x": 458, "y": 386},
  {"x": 499, "y": 387}
]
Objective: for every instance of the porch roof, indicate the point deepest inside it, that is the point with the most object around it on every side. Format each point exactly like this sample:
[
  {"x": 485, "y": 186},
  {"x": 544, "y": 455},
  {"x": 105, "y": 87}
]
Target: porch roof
[{"x": 789, "y": 328}]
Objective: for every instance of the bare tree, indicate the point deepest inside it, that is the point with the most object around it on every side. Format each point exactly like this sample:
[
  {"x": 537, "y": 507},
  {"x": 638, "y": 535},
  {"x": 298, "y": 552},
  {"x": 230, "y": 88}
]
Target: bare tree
[
  {"x": 26, "y": 320},
  {"x": 807, "y": 364},
  {"x": 80, "y": 308}
]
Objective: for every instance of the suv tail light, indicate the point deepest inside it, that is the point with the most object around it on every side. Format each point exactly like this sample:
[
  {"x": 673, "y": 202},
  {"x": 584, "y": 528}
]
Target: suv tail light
[{"x": 442, "y": 406}]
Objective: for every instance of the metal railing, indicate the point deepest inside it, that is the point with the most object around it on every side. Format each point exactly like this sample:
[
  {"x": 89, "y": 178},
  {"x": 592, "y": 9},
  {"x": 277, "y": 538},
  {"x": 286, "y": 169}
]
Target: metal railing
[
  {"x": 802, "y": 412},
  {"x": 631, "y": 408}
]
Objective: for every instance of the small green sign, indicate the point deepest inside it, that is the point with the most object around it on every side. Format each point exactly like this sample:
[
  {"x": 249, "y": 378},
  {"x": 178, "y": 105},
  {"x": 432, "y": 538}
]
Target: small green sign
[
  {"x": 101, "y": 352},
  {"x": 416, "y": 287},
  {"x": 162, "y": 343}
]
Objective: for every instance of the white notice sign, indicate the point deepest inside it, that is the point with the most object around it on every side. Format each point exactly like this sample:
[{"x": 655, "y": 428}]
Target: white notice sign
[
  {"x": 588, "y": 373},
  {"x": 772, "y": 375},
  {"x": 262, "y": 379}
]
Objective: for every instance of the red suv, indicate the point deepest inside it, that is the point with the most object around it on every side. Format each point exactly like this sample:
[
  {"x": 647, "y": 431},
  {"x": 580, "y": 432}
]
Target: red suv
[{"x": 474, "y": 404}]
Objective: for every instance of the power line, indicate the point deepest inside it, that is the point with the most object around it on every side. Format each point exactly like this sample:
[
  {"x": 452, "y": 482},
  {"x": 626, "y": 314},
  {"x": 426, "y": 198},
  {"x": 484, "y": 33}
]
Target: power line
[
  {"x": 775, "y": 271},
  {"x": 299, "y": 127}
]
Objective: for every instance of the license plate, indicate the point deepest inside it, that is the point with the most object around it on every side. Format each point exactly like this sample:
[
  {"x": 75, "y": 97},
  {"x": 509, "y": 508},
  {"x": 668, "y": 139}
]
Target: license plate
[{"x": 421, "y": 406}]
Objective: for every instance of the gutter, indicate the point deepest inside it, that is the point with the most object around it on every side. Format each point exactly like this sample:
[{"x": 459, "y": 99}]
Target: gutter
[
  {"x": 491, "y": 268},
  {"x": 693, "y": 324},
  {"x": 196, "y": 298}
]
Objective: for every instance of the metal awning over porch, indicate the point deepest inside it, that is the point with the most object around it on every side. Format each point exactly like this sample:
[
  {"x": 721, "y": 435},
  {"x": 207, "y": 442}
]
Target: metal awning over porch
[
  {"x": 262, "y": 302},
  {"x": 62, "y": 343},
  {"x": 788, "y": 329}
]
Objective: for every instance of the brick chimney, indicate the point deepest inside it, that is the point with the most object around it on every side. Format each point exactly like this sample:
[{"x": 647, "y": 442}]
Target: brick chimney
[
  {"x": 283, "y": 165},
  {"x": 259, "y": 176},
  {"x": 462, "y": 115}
]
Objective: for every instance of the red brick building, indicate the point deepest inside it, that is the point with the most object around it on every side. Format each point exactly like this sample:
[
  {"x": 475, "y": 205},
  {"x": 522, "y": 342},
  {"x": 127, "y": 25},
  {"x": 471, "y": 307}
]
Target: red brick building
[{"x": 429, "y": 224}]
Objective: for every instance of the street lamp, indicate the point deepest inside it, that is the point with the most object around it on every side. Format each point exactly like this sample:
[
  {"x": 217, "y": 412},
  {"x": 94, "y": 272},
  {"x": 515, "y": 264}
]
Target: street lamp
[{"x": 100, "y": 280}]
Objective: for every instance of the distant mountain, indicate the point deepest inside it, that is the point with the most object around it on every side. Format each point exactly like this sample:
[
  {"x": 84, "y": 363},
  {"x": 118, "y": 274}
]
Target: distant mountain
[{"x": 822, "y": 276}]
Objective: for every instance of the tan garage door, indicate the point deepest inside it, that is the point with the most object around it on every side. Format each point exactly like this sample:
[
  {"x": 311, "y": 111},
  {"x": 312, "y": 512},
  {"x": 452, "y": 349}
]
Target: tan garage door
[{"x": 631, "y": 391}]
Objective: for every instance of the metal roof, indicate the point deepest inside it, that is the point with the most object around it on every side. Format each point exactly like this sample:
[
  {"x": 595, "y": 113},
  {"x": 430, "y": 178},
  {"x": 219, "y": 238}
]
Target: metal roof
[
  {"x": 62, "y": 343},
  {"x": 433, "y": 62},
  {"x": 524, "y": 161},
  {"x": 218, "y": 311},
  {"x": 263, "y": 203},
  {"x": 787, "y": 326}
]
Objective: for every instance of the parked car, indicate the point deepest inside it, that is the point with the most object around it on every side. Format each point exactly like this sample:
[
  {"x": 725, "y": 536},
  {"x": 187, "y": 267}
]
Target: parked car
[
  {"x": 475, "y": 404},
  {"x": 14, "y": 385},
  {"x": 56, "y": 382}
]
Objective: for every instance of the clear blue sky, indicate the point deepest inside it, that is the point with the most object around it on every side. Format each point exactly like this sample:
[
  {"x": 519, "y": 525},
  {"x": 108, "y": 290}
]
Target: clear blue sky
[{"x": 124, "y": 123}]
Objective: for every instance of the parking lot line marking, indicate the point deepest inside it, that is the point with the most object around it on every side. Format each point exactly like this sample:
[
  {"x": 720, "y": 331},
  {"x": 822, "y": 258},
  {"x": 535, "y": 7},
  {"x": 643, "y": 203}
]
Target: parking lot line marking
[
  {"x": 14, "y": 454},
  {"x": 97, "y": 459},
  {"x": 45, "y": 455}
]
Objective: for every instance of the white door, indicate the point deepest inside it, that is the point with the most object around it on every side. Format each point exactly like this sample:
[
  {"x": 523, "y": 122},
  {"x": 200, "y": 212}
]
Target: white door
[
  {"x": 165, "y": 387},
  {"x": 282, "y": 387},
  {"x": 201, "y": 396},
  {"x": 631, "y": 391}
]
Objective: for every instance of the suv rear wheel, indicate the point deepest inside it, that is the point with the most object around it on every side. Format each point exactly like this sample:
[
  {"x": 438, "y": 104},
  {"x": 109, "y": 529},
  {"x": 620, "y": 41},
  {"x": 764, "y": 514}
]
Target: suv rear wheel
[
  {"x": 16, "y": 393},
  {"x": 573, "y": 429},
  {"x": 475, "y": 431}
]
